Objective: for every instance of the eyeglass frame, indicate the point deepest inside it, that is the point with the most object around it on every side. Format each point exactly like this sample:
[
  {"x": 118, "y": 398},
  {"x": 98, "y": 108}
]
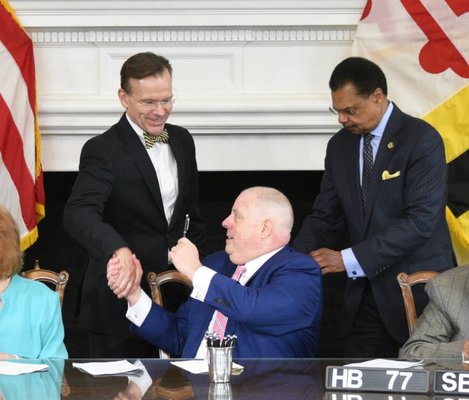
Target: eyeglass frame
[
  {"x": 154, "y": 103},
  {"x": 349, "y": 111}
]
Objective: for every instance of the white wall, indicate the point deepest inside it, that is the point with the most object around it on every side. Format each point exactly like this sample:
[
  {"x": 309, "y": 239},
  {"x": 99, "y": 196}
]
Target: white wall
[{"x": 251, "y": 76}]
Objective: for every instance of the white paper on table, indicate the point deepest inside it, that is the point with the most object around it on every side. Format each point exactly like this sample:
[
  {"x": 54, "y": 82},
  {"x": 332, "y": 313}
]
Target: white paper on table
[
  {"x": 18, "y": 368},
  {"x": 201, "y": 366},
  {"x": 383, "y": 363},
  {"x": 122, "y": 367}
]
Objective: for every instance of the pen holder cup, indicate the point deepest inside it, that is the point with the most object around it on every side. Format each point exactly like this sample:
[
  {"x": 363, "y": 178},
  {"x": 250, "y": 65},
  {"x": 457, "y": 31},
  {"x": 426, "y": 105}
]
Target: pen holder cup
[{"x": 220, "y": 361}]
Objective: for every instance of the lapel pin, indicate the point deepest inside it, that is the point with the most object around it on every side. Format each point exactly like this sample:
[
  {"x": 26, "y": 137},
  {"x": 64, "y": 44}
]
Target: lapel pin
[{"x": 390, "y": 145}]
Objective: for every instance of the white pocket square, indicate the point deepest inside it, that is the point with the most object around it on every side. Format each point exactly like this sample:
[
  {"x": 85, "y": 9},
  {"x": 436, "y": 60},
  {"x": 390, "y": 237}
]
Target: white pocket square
[{"x": 386, "y": 175}]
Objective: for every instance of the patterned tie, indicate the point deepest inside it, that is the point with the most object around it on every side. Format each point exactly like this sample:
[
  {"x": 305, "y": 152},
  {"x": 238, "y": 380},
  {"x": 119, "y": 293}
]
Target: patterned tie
[
  {"x": 150, "y": 140},
  {"x": 367, "y": 167},
  {"x": 221, "y": 320}
]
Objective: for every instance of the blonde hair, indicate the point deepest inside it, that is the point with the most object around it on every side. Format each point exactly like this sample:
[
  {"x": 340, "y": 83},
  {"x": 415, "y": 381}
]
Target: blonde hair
[{"x": 11, "y": 256}]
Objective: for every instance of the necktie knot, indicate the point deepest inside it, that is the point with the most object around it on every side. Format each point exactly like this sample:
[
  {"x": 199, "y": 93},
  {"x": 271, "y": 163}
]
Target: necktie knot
[
  {"x": 367, "y": 139},
  {"x": 150, "y": 140}
]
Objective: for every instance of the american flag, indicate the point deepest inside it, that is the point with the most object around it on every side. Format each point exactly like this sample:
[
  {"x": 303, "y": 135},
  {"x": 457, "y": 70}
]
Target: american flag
[{"x": 21, "y": 178}]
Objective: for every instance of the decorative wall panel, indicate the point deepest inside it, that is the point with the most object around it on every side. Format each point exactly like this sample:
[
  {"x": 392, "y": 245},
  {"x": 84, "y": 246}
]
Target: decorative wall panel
[{"x": 250, "y": 76}]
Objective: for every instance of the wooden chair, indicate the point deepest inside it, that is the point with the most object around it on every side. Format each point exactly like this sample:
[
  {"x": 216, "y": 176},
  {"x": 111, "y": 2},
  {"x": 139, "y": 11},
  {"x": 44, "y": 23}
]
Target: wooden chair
[
  {"x": 58, "y": 280},
  {"x": 156, "y": 281},
  {"x": 406, "y": 281}
]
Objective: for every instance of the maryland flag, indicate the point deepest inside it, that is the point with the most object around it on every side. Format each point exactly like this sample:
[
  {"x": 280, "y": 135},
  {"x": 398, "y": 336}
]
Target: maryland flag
[
  {"x": 21, "y": 179},
  {"x": 423, "y": 48}
]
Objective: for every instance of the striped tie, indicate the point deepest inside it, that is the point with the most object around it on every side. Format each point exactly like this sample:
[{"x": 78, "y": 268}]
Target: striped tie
[
  {"x": 367, "y": 167},
  {"x": 150, "y": 140},
  {"x": 221, "y": 320}
]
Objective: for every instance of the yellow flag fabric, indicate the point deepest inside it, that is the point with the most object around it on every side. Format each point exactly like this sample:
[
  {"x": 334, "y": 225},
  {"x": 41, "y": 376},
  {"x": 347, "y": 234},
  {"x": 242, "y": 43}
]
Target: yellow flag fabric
[{"x": 424, "y": 51}]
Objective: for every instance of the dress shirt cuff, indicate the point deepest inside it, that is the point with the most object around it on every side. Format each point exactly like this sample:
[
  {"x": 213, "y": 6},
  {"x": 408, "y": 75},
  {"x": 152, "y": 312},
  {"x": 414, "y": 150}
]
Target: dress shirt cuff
[
  {"x": 201, "y": 281},
  {"x": 139, "y": 311},
  {"x": 352, "y": 266}
]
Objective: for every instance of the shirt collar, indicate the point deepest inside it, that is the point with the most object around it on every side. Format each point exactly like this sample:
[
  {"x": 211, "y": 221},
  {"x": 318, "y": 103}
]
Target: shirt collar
[
  {"x": 254, "y": 265},
  {"x": 139, "y": 131},
  {"x": 379, "y": 130}
]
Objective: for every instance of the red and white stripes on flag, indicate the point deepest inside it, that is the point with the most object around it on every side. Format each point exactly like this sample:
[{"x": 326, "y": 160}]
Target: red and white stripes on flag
[
  {"x": 423, "y": 48},
  {"x": 21, "y": 179}
]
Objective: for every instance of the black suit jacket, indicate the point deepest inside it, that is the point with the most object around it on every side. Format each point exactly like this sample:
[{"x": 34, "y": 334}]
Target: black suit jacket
[
  {"x": 404, "y": 226},
  {"x": 116, "y": 202}
]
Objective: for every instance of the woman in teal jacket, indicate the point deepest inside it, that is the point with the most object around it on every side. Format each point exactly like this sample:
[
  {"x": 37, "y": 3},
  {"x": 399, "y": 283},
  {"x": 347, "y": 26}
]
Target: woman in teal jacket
[{"x": 30, "y": 314}]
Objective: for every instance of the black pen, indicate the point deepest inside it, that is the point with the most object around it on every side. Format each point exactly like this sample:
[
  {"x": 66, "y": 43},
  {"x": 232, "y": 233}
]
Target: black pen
[{"x": 186, "y": 225}]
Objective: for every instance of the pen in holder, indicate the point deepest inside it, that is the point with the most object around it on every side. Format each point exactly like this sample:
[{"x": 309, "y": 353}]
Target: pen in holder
[{"x": 220, "y": 357}]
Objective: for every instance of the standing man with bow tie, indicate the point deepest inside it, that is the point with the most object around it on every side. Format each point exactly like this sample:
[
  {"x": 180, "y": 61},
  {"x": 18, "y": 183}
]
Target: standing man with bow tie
[
  {"x": 381, "y": 209},
  {"x": 136, "y": 183}
]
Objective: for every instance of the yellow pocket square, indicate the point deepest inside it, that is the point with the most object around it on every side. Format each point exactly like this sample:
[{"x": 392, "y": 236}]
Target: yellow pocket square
[{"x": 386, "y": 175}]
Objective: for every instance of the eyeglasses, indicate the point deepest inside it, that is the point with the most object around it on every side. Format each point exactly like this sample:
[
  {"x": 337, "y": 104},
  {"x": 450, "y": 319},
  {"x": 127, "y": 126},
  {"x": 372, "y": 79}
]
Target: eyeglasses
[
  {"x": 350, "y": 111},
  {"x": 150, "y": 103}
]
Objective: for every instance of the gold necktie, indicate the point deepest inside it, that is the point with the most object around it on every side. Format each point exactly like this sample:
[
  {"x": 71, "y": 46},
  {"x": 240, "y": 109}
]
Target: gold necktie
[{"x": 150, "y": 140}]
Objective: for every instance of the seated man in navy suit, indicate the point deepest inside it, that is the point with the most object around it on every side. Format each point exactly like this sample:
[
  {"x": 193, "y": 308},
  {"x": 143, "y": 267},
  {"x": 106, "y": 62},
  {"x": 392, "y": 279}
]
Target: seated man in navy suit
[{"x": 275, "y": 307}]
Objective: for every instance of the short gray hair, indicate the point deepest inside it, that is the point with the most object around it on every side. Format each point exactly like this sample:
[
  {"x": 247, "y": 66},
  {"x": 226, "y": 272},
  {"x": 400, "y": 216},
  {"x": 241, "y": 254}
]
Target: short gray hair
[{"x": 274, "y": 204}]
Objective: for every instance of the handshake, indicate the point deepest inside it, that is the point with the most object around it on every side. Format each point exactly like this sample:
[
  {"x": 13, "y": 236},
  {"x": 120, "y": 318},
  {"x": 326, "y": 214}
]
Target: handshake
[{"x": 124, "y": 270}]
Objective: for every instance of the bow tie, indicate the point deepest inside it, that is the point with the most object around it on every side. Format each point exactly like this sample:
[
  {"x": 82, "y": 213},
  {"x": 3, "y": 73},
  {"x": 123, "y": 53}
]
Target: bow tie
[{"x": 150, "y": 140}]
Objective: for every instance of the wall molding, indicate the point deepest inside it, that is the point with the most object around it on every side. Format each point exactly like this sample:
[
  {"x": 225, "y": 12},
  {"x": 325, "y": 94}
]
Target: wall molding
[
  {"x": 110, "y": 13},
  {"x": 191, "y": 35}
]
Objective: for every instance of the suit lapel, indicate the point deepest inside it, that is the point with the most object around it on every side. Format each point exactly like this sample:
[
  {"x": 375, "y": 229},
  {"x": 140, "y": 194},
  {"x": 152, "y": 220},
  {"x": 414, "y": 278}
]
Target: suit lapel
[
  {"x": 350, "y": 174},
  {"x": 137, "y": 153},
  {"x": 266, "y": 269},
  {"x": 383, "y": 156}
]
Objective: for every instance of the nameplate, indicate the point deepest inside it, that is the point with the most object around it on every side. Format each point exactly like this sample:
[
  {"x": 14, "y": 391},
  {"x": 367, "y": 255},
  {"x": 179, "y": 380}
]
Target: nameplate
[
  {"x": 445, "y": 382},
  {"x": 376, "y": 396},
  {"x": 377, "y": 379}
]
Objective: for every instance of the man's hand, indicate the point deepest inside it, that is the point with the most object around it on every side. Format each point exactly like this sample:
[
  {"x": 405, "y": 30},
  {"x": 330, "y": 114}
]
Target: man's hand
[
  {"x": 113, "y": 271},
  {"x": 185, "y": 257},
  {"x": 121, "y": 272},
  {"x": 123, "y": 282},
  {"x": 329, "y": 260}
]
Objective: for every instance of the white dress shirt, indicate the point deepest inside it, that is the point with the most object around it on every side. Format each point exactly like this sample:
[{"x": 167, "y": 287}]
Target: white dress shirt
[{"x": 166, "y": 170}]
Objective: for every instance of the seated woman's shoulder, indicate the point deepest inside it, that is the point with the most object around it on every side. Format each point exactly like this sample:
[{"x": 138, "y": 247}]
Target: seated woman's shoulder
[{"x": 34, "y": 287}]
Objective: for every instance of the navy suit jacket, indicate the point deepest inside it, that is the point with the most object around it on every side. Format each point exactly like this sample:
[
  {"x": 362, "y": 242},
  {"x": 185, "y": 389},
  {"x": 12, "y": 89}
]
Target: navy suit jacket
[
  {"x": 116, "y": 202},
  {"x": 404, "y": 226},
  {"x": 277, "y": 313}
]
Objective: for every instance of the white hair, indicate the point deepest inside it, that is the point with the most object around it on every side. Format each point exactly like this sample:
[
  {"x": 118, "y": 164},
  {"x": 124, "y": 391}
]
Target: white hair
[{"x": 273, "y": 204}]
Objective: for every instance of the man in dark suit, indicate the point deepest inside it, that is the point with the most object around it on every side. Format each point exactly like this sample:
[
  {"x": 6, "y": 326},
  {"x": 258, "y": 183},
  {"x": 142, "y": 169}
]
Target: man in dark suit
[
  {"x": 385, "y": 201},
  {"x": 131, "y": 196},
  {"x": 275, "y": 307}
]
